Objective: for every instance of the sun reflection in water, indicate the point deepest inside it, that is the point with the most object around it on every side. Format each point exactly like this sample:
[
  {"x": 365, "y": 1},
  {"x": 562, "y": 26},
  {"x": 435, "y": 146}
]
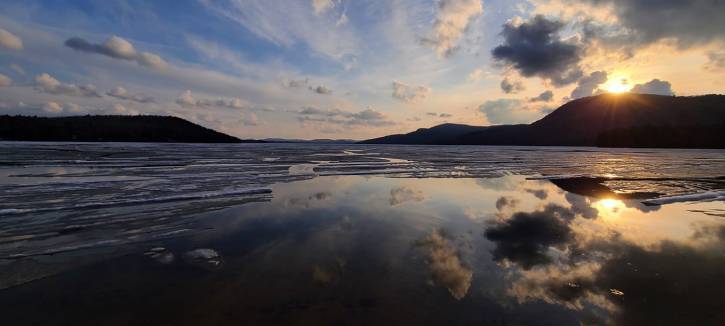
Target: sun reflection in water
[{"x": 609, "y": 207}]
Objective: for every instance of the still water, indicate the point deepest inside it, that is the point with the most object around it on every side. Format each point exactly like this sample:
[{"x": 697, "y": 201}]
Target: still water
[{"x": 119, "y": 234}]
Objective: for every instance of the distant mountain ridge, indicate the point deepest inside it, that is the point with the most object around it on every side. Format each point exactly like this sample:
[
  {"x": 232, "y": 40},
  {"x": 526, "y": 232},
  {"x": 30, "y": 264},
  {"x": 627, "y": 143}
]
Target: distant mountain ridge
[
  {"x": 607, "y": 120},
  {"x": 110, "y": 128}
]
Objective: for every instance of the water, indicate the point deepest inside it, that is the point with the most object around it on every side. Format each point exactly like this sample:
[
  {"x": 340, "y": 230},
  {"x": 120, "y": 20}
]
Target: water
[{"x": 348, "y": 234}]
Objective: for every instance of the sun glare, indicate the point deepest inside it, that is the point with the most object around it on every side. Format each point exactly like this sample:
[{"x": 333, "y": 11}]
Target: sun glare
[{"x": 617, "y": 84}]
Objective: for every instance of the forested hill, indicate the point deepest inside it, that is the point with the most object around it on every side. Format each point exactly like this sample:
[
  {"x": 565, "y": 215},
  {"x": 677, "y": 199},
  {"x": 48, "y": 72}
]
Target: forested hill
[
  {"x": 607, "y": 120},
  {"x": 109, "y": 128}
]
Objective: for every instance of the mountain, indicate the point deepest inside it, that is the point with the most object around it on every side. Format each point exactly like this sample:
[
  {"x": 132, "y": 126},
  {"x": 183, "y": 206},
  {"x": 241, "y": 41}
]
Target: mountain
[
  {"x": 445, "y": 134},
  {"x": 109, "y": 128},
  {"x": 608, "y": 120},
  {"x": 313, "y": 141}
]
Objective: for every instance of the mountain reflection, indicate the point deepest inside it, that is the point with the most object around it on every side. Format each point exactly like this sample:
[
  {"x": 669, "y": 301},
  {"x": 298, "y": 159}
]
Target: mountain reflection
[{"x": 373, "y": 250}]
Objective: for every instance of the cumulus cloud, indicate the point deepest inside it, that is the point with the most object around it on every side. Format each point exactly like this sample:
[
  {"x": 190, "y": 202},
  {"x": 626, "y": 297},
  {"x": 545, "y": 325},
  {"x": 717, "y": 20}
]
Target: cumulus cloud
[
  {"x": 688, "y": 23},
  {"x": 445, "y": 265},
  {"x": 187, "y": 100},
  {"x": 509, "y": 111},
  {"x": 5, "y": 81},
  {"x": 48, "y": 84},
  {"x": 366, "y": 117},
  {"x": 451, "y": 22},
  {"x": 546, "y": 96},
  {"x": 52, "y": 107},
  {"x": 588, "y": 85},
  {"x": 121, "y": 93},
  {"x": 321, "y": 90},
  {"x": 117, "y": 48},
  {"x": 10, "y": 41},
  {"x": 525, "y": 237},
  {"x": 120, "y": 109},
  {"x": 654, "y": 86},
  {"x": 534, "y": 48},
  {"x": 408, "y": 93},
  {"x": 405, "y": 194},
  {"x": 511, "y": 87}
]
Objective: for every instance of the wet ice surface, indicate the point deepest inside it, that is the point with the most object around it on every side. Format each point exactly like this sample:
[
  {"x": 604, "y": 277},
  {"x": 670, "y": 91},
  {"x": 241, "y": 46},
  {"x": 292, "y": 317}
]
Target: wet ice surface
[{"x": 359, "y": 234}]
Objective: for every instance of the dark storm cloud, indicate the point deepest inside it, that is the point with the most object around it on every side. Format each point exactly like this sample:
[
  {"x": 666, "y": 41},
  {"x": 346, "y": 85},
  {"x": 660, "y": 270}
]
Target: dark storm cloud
[
  {"x": 526, "y": 236},
  {"x": 688, "y": 22},
  {"x": 534, "y": 48}
]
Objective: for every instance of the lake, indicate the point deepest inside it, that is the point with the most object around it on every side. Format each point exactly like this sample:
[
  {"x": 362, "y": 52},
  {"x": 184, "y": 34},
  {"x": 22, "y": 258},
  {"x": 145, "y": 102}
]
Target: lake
[{"x": 192, "y": 234}]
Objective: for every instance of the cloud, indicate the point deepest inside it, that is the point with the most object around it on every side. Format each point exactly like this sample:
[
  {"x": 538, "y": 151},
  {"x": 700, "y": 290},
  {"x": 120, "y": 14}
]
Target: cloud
[
  {"x": 511, "y": 87},
  {"x": 47, "y": 84},
  {"x": 654, "y": 86},
  {"x": 322, "y": 6},
  {"x": 187, "y": 100},
  {"x": 297, "y": 83},
  {"x": 446, "y": 266},
  {"x": 117, "y": 48},
  {"x": 716, "y": 61},
  {"x": 478, "y": 74},
  {"x": 687, "y": 23},
  {"x": 546, "y": 96},
  {"x": 121, "y": 93},
  {"x": 366, "y": 117},
  {"x": 509, "y": 111},
  {"x": 525, "y": 237},
  {"x": 452, "y": 19},
  {"x": 249, "y": 119},
  {"x": 534, "y": 48},
  {"x": 120, "y": 109},
  {"x": 52, "y": 107},
  {"x": 581, "y": 205},
  {"x": 10, "y": 41},
  {"x": 588, "y": 85},
  {"x": 445, "y": 115},
  {"x": 404, "y": 194},
  {"x": 408, "y": 93},
  {"x": 321, "y": 90},
  {"x": 17, "y": 68},
  {"x": 342, "y": 20},
  {"x": 5, "y": 81}
]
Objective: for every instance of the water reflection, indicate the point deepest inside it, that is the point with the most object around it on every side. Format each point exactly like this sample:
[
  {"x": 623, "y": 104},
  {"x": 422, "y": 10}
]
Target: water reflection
[{"x": 373, "y": 250}]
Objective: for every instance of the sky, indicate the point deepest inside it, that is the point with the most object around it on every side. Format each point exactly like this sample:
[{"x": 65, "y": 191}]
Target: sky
[{"x": 350, "y": 69}]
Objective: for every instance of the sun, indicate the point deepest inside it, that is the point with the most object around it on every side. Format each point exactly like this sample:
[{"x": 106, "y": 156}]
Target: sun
[{"x": 617, "y": 85}]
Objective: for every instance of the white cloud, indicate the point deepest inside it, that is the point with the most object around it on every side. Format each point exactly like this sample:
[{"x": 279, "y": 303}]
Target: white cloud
[
  {"x": 121, "y": 93},
  {"x": 409, "y": 93},
  {"x": 451, "y": 22},
  {"x": 52, "y": 107},
  {"x": 250, "y": 119},
  {"x": 478, "y": 74},
  {"x": 117, "y": 48},
  {"x": 321, "y": 6},
  {"x": 5, "y": 81},
  {"x": 367, "y": 117},
  {"x": 186, "y": 99},
  {"x": 120, "y": 109},
  {"x": 654, "y": 86},
  {"x": 10, "y": 41},
  {"x": 48, "y": 84}
]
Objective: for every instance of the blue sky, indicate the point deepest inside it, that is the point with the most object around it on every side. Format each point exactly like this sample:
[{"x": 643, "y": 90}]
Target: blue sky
[{"x": 344, "y": 68}]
